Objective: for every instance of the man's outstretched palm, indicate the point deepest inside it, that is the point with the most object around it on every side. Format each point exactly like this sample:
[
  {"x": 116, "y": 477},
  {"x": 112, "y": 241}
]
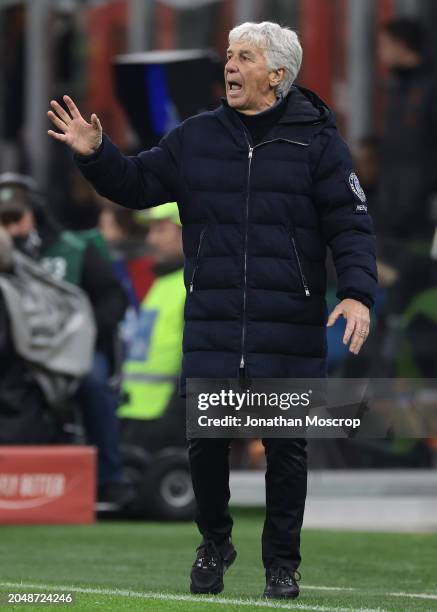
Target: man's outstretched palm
[{"x": 78, "y": 134}]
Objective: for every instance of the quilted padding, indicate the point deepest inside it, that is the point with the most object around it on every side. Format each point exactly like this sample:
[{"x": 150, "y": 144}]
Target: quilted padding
[{"x": 256, "y": 225}]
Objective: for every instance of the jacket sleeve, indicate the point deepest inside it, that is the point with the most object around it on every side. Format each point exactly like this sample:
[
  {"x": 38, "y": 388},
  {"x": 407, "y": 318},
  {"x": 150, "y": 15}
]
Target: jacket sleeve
[
  {"x": 345, "y": 222},
  {"x": 141, "y": 181}
]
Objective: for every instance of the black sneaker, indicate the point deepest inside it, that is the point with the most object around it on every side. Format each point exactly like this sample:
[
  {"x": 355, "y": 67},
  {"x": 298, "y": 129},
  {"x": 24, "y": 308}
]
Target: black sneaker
[
  {"x": 281, "y": 583},
  {"x": 211, "y": 562}
]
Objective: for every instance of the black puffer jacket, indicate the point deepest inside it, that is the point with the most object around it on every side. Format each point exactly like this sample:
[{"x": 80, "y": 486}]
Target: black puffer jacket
[{"x": 256, "y": 222}]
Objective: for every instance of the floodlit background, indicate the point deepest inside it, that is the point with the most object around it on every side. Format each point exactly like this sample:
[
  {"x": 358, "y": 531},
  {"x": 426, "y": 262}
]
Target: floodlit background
[
  {"x": 95, "y": 52},
  {"x": 143, "y": 66}
]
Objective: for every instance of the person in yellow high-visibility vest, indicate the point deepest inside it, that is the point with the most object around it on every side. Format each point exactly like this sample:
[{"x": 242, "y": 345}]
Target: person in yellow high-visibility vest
[{"x": 151, "y": 410}]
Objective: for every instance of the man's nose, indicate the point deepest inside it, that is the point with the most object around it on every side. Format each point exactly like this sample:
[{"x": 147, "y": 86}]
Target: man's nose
[{"x": 231, "y": 66}]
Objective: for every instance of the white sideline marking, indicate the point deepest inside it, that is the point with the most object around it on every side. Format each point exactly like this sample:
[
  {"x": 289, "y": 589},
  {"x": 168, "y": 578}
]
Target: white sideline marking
[
  {"x": 191, "y": 598},
  {"x": 327, "y": 588},
  {"x": 414, "y": 595}
]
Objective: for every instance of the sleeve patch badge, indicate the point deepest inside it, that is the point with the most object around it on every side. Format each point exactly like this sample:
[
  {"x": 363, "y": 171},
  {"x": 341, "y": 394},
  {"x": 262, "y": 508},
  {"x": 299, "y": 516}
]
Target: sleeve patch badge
[
  {"x": 354, "y": 184},
  {"x": 358, "y": 191}
]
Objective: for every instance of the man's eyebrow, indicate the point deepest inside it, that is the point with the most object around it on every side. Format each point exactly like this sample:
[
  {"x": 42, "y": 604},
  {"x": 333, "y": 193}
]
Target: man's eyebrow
[{"x": 248, "y": 51}]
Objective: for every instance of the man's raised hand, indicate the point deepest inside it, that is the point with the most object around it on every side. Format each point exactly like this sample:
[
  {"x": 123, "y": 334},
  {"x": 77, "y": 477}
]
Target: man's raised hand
[{"x": 83, "y": 137}]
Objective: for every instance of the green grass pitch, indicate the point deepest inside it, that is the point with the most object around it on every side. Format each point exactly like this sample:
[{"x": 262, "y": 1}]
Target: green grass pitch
[{"x": 145, "y": 566}]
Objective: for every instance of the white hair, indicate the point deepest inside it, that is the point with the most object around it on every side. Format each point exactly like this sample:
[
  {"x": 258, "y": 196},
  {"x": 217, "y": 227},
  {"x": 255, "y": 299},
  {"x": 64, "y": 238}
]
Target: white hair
[{"x": 281, "y": 47}]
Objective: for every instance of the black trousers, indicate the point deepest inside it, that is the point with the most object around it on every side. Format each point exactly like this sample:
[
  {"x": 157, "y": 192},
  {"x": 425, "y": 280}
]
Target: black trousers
[{"x": 286, "y": 488}]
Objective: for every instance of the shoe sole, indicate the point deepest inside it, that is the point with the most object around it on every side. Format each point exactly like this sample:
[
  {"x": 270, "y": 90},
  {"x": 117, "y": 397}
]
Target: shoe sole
[{"x": 217, "y": 588}]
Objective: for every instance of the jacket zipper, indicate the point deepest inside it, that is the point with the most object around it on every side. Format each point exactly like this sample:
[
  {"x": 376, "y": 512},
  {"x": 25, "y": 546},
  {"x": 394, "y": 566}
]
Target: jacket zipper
[
  {"x": 250, "y": 155},
  {"x": 196, "y": 265},
  {"x": 302, "y": 275},
  {"x": 243, "y": 331}
]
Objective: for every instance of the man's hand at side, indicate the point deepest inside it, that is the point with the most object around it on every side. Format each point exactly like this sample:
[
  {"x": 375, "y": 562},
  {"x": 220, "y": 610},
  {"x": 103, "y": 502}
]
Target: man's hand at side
[
  {"x": 82, "y": 137},
  {"x": 357, "y": 322}
]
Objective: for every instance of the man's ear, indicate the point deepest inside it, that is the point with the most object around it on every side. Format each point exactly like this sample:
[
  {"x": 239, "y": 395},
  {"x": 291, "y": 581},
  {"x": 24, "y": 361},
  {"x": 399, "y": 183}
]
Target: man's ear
[{"x": 276, "y": 77}]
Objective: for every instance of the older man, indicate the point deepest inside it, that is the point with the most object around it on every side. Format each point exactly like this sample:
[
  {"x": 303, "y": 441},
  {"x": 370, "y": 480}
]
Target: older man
[{"x": 264, "y": 183}]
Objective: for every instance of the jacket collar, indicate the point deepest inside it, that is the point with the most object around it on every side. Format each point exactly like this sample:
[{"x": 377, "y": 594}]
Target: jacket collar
[{"x": 304, "y": 109}]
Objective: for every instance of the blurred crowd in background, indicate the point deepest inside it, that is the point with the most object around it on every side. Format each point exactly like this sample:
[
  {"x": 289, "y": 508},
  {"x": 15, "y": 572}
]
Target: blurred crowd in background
[{"x": 115, "y": 276}]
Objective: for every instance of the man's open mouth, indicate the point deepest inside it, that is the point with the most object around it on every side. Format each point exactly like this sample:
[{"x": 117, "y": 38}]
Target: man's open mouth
[{"x": 234, "y": 87}]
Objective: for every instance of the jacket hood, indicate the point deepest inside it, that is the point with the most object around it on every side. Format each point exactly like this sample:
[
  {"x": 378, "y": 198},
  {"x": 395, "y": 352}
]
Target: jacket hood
[{"x": 304, "y": 106}]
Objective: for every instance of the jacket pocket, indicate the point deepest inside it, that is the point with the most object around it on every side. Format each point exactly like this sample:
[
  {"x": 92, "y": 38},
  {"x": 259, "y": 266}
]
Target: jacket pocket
[
  {"x": 197, "y": 261},
  {"x": 299, "y": 265}
]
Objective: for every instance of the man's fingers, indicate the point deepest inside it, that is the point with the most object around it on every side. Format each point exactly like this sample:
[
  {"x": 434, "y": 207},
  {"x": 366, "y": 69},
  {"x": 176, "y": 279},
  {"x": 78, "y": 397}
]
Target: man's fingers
[
  {"x": 60, "y": 112},
  {"x": 96, "y": 122},
  {"x": 72, "y": 107},
  {"x": 355, "y": 346},
  {"x": 333, "y": 316},
  {"x": 57, "y": 122},
  {"x": 360, "y": 336},
  {"x": 349, "y": 330},
  {"x": 358, "y": 323},
  {"x": 357, "y": 342},
  {"x": 56, "y": 136}
]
